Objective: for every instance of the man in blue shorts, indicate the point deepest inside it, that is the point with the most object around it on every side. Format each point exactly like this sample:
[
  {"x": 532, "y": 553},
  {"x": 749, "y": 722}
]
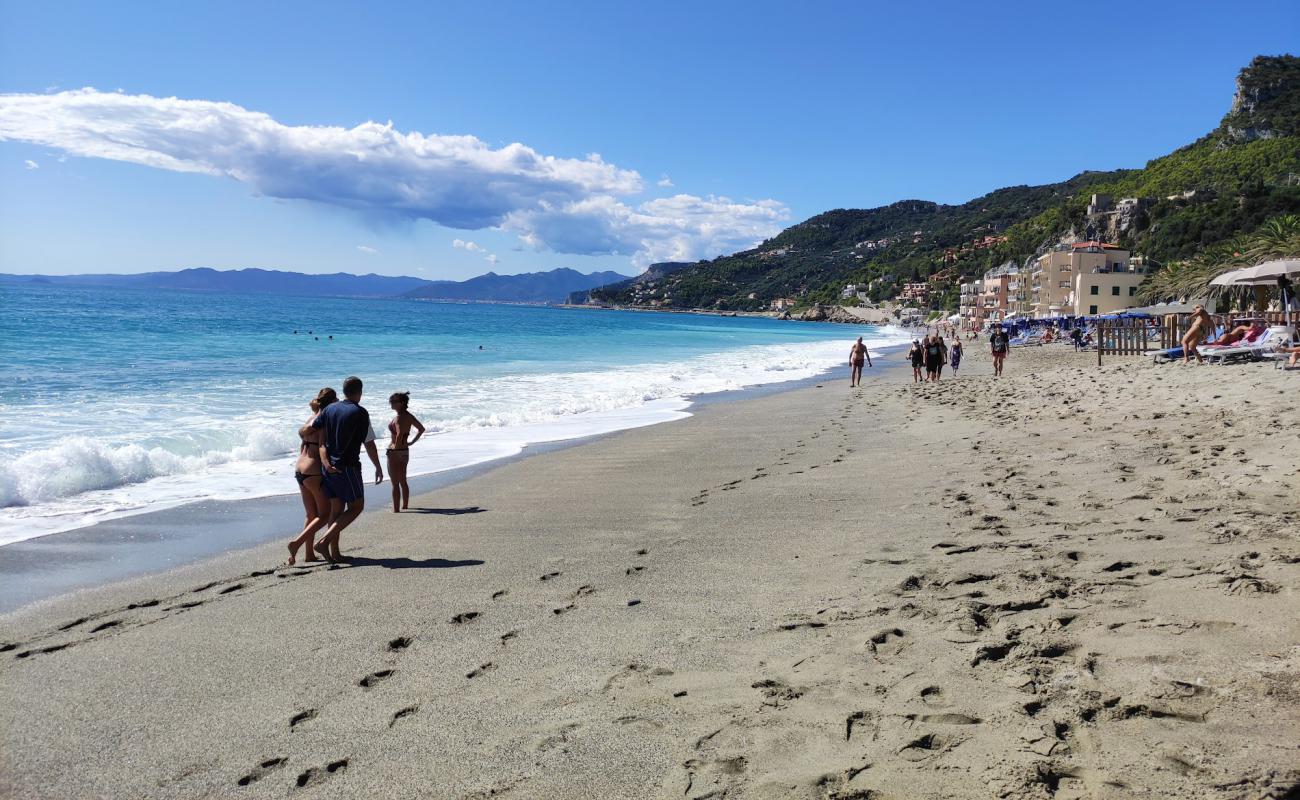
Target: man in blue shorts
[{"x": 347, "y": 428}]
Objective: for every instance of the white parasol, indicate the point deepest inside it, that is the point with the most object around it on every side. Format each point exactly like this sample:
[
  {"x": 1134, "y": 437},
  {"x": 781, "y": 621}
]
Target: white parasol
[{"x": 1268, "y": 273}]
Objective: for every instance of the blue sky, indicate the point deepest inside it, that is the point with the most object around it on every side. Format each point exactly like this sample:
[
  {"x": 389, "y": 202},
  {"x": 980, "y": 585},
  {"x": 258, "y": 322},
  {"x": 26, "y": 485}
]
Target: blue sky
[{"x": 758, "y": 114}]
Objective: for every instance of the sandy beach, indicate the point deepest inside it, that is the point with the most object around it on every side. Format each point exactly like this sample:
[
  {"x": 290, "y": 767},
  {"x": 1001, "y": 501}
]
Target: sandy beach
[{"x": 1071, "y": 582}]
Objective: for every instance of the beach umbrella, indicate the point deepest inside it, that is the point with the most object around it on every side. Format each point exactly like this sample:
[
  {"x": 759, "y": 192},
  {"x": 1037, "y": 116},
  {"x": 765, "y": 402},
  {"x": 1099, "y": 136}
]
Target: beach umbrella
[
  {"x": 1278, "y": 271},
  {"x": 1262, "y": 274}
]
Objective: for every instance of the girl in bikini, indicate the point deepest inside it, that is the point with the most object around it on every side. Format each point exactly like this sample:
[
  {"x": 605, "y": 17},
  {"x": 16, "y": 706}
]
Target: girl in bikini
[
  {"x": 399, "y": 452},
  {"x": 309, "y": 476}
]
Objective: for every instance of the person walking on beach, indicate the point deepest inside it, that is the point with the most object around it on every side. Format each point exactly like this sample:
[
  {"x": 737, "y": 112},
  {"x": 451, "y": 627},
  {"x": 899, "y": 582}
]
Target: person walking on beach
[
  {"x": 999, "y": 343},
  {"x": 399, "y": 450},
  {"x": 310, "y": 476},
  {"x": 1201, "y": 327},
  {"x": 917, "y": 357},
  {"x": 857, "y": 356},
  {"x": 954, "y": 354},
  {"x": 943, "y": 359},
  {"x": 933, "y": 356},
  {"x": 346, "y": 426}
]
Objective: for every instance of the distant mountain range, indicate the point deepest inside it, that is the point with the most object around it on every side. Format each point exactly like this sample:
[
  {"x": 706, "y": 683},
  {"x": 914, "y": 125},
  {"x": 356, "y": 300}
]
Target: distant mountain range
[{"x": 533, "y": 287}]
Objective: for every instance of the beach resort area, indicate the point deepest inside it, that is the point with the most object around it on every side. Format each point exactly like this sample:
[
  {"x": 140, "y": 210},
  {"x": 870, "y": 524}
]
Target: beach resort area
[
  {"x": 1070, "y": 581},
  {"x": 673, "y": 401}
]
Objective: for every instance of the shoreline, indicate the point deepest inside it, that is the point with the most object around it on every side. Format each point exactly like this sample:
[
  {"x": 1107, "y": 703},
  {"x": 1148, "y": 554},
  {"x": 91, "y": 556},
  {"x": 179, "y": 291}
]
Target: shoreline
[
  {"x": 1070, "y": 581},
  {"x": 47, "y": 567}
]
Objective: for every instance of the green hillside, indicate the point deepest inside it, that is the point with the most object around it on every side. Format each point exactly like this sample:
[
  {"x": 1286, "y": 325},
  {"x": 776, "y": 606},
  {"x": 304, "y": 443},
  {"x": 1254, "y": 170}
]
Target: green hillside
[{"x": 1224, "y": 184}]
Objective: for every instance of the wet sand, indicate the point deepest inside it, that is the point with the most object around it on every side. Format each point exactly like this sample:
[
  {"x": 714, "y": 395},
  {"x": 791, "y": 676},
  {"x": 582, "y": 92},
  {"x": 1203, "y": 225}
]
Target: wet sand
[{"x": 1070, "y": 582}]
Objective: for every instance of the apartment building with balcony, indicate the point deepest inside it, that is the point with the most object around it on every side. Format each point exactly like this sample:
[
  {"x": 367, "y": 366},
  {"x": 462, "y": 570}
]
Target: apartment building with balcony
[
  {"x": 970, "y": 303},
  {"x": 1052, "y": 275},
  {"x": 915, "y": 291},
  {"x": 1002, "y": 293},
  {"x": 1107, "y": 288}
]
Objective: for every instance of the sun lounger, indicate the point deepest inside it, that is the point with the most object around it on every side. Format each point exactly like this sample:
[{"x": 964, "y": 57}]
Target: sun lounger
[{"x": 1255, "y": 350}]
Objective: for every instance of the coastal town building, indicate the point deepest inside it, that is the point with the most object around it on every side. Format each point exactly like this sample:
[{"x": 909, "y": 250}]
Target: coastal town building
[
  {"x": 782, "y": 303},
  {"x": 970, "y": 303},
  {"x": 915, "y": 291},
  {"x": 1002, "y": 293},
  {"x": 1109, "y": 287},
  {"x": 1052, "y": 275}
]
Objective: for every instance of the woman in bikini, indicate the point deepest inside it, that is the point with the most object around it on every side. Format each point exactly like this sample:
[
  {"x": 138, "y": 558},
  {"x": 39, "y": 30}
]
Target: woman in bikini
[
  {"x": 309, "y": 475},
  {"x": 399, "y": 450},
  {"x": 1202, "y": 326}
]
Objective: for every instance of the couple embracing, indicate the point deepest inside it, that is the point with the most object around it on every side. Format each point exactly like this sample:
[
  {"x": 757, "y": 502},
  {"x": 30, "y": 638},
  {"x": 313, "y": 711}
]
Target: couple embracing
[{"x": 329, "y": 465}]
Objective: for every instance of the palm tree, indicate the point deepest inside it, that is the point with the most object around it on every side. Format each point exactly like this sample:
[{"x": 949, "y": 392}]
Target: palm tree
[{"x": 1277, "y": 237}]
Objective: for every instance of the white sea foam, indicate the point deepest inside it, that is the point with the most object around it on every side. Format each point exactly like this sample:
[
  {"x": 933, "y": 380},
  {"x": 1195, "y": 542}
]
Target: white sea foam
[{"x": 150, "y": 466}]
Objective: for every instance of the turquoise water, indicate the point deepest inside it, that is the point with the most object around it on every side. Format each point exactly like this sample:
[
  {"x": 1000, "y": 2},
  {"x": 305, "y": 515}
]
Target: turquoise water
[{"x": 122, "y": 401}]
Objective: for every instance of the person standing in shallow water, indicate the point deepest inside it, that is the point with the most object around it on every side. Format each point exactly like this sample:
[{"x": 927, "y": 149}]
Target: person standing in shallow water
[
  {"x": 399, "y": 449},
  {"x": 858, "y": 355}
]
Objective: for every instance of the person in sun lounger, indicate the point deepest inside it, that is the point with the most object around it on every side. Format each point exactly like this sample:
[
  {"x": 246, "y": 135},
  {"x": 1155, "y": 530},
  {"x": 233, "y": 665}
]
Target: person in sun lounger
[{"x": 1247, "y": 332}]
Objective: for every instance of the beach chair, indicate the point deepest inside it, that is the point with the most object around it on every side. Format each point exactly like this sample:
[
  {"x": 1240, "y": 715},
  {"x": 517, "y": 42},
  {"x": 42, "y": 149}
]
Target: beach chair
[{"x": 1266, "y": 341}]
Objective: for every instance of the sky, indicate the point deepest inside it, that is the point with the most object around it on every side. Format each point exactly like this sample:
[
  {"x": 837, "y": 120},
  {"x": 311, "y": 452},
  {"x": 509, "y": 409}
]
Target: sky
[{"x": 443, "y": 140}]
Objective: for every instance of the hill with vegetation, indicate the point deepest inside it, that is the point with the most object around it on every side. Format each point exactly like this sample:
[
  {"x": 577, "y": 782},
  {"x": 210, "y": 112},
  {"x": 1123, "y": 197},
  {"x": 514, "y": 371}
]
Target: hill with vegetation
[{"x": 1225, "y": 184}]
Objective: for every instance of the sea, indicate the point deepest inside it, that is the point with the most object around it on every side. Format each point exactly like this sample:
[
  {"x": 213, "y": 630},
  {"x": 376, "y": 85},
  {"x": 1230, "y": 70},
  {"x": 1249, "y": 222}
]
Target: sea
[{"x": 124, "y": 401}]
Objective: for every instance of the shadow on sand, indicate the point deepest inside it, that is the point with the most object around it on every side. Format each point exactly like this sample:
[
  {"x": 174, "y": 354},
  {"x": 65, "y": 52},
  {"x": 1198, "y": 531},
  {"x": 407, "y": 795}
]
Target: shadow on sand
[
  {"x": 447, "y": 512},
  {"x": 411, "y": 563}
]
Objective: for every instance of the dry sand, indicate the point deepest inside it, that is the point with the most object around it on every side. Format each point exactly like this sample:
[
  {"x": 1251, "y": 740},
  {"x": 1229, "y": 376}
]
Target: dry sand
[{"x": 1070, "y": 582}]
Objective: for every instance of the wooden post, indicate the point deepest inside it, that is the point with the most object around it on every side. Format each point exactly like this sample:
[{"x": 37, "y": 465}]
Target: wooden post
[{"x": 1101, "y": 339}]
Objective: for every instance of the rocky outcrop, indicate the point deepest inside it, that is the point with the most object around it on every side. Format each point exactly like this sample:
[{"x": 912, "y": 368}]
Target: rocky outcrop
[
  {"x": 821, "y": 313},
  {"x": 1267, "y": 101}
]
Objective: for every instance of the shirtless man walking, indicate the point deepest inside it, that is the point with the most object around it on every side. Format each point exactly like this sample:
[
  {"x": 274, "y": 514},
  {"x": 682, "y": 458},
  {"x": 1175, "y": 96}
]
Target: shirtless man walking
[{"x": 857, "y": 356}]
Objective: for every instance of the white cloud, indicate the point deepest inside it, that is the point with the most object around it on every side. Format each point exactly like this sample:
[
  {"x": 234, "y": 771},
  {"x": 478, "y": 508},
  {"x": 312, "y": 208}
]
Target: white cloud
[
  {"x": 664, "y": 182},
  {"x": 678, "y": 228},
  {"x": 569, "y": 205},
  {"x": 31, "y": 164},
  {"x": 368, "y": 250},
  {"x": 461, "y": 244},
  {"x": 491, "y": 258}
]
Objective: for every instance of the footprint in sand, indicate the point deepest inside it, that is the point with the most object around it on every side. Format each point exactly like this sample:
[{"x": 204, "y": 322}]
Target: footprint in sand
[
  {"x": 481, "y": 669},
  {"x": 301, "y": 717},
  {"x": 464, "y": 617},
  {"x": 375, "y": 678},
  {"x": 262, "y": 770},
  {"x": 315, "y": 775},
  {"x": 402, "y": 713}
]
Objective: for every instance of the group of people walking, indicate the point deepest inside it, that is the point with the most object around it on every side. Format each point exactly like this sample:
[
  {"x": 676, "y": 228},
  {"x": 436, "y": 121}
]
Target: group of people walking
[
  {"x": 328, "y": 470},
  {"x": 931, "y": 354}
]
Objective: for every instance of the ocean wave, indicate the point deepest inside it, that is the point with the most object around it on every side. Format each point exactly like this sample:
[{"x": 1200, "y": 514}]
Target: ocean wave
[{"x": 83, "y": 478}]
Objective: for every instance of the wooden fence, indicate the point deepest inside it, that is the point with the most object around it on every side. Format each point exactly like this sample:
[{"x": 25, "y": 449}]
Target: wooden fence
[{"x": 1124, "y": 337}]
